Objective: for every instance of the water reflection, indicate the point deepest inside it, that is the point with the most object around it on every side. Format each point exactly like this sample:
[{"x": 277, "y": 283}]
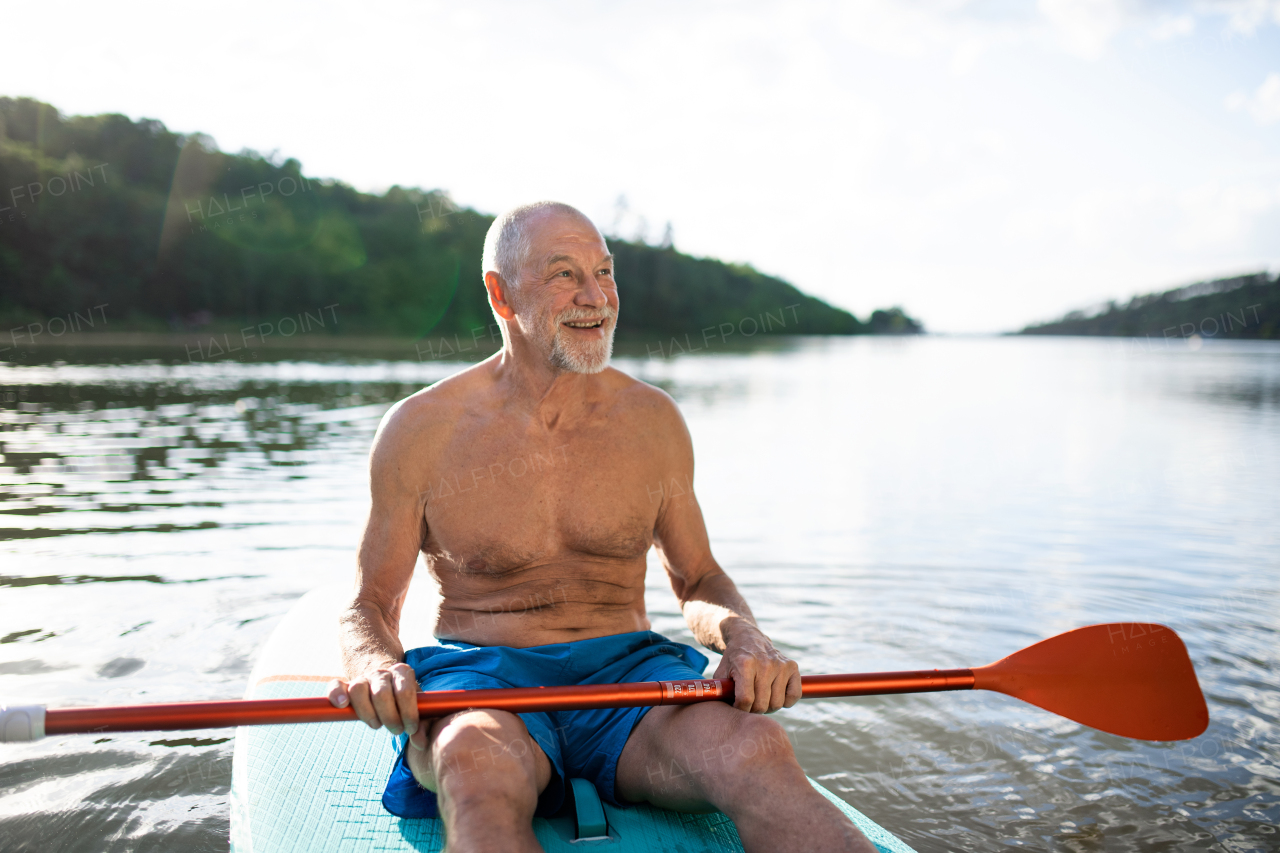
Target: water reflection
[{"x": 168, "y": 447}]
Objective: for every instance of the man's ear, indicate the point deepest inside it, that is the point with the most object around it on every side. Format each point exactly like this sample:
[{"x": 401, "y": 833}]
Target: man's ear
[{"x": 497, "y": 289}]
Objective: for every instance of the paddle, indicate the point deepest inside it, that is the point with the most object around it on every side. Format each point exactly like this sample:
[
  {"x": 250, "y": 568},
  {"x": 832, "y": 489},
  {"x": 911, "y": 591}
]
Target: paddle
[{"x": 1128, "y": 678}]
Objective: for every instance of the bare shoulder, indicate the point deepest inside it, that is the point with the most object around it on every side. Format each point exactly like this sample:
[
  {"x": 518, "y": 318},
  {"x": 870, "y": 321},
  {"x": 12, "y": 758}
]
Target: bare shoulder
[
  {"x": 427, "y": 417},
  {"x": 650, "y": 408}
]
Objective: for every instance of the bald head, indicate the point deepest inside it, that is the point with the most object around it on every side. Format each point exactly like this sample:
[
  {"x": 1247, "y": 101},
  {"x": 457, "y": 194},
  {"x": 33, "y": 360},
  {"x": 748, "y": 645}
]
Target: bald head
[
  {"x": 510, "y": 238},
  {"x": 549, "y": 277}
]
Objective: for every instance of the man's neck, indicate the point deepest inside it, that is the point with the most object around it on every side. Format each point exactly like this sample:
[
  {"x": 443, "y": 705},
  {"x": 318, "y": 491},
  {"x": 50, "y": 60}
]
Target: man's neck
[{"x": 551, "y": 397}]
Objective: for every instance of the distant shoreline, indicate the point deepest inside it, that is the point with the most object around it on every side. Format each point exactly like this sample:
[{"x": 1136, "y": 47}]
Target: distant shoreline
[{"x": 1238, "y": 308}]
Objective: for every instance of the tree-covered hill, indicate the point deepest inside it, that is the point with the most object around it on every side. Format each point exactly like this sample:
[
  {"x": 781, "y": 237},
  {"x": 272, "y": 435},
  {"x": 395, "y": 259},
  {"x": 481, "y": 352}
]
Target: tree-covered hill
[
  {"x": 1246, "y": 306},
  {"x": 171, "y": 233}
]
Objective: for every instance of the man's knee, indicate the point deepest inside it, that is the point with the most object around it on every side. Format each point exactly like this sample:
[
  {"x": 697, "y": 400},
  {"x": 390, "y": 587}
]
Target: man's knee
[
  {"x": 470, "y": 746},
  {"x": 750, "y": 745}
]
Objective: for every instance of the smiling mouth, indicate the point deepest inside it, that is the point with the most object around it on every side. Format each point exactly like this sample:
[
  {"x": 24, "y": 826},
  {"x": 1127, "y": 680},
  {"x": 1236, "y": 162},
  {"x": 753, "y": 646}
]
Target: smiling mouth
[{"x": 583, "y": 324}]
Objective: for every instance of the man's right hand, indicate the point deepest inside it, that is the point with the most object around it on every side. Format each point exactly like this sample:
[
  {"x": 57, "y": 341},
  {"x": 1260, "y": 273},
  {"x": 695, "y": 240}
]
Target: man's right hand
[{"x": 387, "y": 696}]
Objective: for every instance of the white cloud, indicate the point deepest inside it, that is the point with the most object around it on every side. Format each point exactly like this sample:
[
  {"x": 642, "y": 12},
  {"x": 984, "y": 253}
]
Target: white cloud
[
  {"x": 966, "y": 30},
  {"x": 1243, "y": 16},
  {"x": 1173, "y": 26},
  {"x": 1263, "y": 105},
  {"x": 1085, "y": 26}
]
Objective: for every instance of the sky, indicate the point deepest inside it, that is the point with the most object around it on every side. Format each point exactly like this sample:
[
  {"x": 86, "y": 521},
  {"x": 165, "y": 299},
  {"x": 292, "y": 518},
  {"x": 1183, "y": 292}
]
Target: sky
[{"x": 981, "y": 164}]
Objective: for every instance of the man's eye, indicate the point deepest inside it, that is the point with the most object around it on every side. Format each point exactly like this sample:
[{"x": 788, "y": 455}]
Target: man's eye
[{"x": 565, "y": 273}]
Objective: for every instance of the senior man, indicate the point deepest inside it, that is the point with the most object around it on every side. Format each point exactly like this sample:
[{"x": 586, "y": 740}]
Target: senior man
[{"x": 541, "y": 569}]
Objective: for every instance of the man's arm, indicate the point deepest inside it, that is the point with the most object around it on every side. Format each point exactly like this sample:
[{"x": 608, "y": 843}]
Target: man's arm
[
  {"x": 379, "y": 685},
  {"x": 764, "y": 679}
]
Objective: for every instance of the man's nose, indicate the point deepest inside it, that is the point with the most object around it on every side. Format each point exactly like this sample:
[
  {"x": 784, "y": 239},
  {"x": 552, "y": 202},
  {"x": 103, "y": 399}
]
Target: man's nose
[{"x": 590, "y": 293}]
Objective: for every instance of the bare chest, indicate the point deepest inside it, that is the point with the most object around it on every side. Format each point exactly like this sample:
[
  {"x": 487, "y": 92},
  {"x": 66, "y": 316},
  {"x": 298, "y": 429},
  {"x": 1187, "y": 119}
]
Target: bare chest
[{"x": 499, "y": 504}]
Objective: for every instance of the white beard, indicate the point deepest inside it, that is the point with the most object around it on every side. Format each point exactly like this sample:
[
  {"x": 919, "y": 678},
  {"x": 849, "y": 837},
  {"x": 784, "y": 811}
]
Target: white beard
[{"x": 567, "y": 355}]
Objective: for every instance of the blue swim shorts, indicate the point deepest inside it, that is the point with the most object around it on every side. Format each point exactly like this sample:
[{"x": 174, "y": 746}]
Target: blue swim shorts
[{"x": 579, "y": 744}]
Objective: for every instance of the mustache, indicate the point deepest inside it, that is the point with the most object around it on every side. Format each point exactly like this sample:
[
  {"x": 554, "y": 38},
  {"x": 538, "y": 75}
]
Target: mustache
[{"x": 574, "y": 312}]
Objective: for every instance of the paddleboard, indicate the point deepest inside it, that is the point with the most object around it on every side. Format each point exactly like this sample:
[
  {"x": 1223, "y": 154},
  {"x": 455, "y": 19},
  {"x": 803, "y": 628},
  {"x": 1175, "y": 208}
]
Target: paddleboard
[{"x": 317, "y": 788}]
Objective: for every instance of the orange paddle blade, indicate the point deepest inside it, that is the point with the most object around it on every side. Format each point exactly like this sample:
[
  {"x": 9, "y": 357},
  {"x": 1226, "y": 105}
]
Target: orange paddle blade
[{"x": 1132, "y": 679}]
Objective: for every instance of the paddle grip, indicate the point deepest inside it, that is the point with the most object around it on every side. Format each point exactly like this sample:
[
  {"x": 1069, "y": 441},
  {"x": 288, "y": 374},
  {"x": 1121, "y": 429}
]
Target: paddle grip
[{"x": 21, "y": 723}]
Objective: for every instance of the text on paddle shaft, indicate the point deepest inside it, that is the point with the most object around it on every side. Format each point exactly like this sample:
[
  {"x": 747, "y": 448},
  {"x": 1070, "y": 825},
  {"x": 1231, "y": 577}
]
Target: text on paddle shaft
[{"x": 677, "y": 690}]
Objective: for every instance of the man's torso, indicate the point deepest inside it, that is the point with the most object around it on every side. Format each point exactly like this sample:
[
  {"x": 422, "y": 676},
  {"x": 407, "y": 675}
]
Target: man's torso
[{"x": 538, "y": 533}]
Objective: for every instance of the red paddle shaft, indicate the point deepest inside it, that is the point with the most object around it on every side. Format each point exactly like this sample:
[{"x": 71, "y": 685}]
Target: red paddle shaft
[
  {"x": 1132, "y": 679},
  {"x": 252, "y": 712}
]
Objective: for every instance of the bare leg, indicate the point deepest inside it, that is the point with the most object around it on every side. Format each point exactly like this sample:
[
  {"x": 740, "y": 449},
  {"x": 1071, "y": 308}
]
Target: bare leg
[
  {"x": 713, "y": 756},
  {"x": 487, "y": 773}
]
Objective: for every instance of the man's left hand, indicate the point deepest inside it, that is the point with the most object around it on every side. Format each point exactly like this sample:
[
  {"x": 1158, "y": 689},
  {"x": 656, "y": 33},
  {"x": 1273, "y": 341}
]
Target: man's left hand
[{"x": 764, "y": 679}]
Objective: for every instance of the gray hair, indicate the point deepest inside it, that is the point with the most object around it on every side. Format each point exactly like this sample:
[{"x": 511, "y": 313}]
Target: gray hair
[{"x": 506, "y": 246}]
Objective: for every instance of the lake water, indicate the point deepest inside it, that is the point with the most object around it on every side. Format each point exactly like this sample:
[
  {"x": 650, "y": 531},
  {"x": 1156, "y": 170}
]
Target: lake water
[{"x": 883, "y": 503}]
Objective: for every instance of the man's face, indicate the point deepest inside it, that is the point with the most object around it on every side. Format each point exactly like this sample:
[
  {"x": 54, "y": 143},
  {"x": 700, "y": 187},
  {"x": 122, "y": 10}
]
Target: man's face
[{"x": 567, "y": 301}]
